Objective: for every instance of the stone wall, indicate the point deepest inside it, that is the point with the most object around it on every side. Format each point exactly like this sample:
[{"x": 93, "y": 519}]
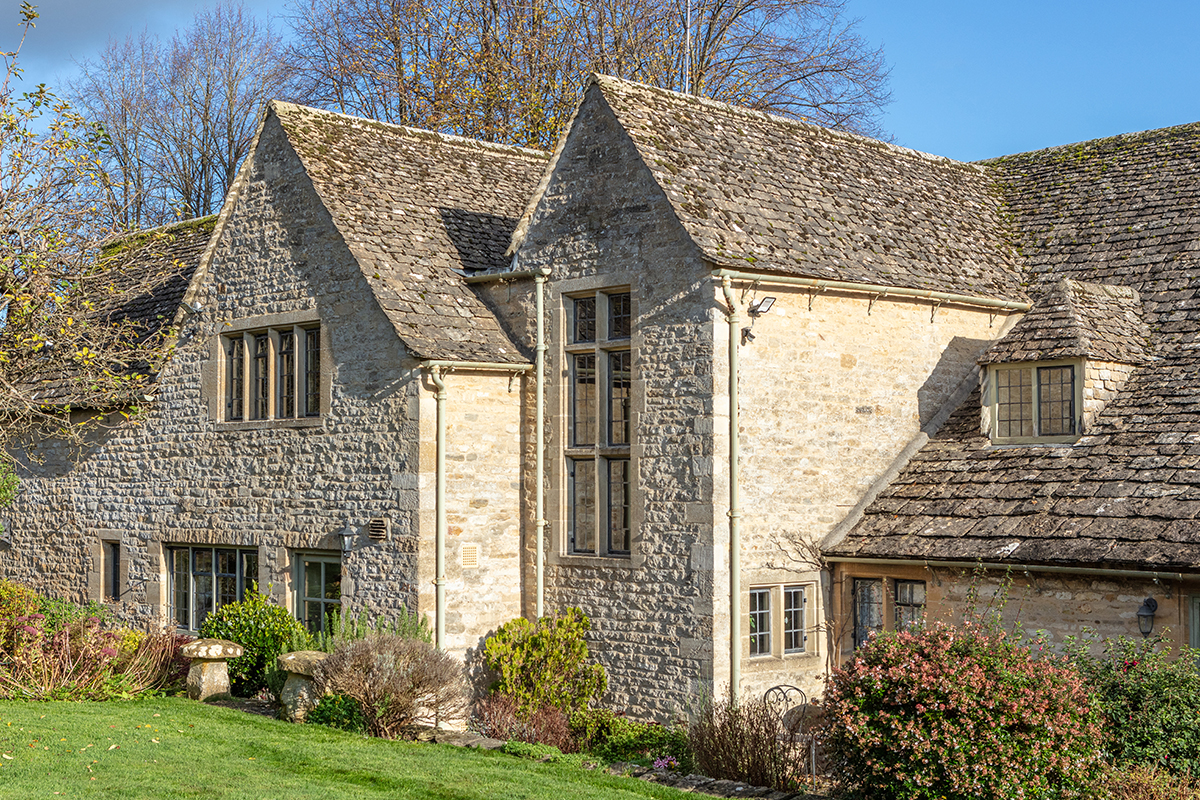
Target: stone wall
[{"x": 1101, "y": 382}]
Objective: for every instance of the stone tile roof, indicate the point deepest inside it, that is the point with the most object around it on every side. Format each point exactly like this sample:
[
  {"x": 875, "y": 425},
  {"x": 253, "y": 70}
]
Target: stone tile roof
[
  {"x": 761, "y": 192},
  {"x": 144, "y": 282},
  {"x": 1078, "y": 320},
  {"x": 1124, "y": 210},
  {"x": 416, "y": 209}
]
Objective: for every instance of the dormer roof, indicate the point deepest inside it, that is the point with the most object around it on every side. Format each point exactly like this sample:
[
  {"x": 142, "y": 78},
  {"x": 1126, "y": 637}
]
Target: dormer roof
[{"x": 1078, "y": 320}]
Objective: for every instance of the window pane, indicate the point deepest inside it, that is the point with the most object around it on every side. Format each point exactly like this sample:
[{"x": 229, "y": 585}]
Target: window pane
[
  {"x": 262, "y": 377},
  {"x": 312, "y": 372},
  {"x": 333, "y": 581},
  {"x": 236, "y": 379},
  {"x": 619, "y": 316},
  {"x": 760, "y": 622},
  {"x": 794, "y": 610},
  {"x": 583, "y": 404},
  {"x": 1014, "y": 402},
  {"x": 619, "y": 382},
  {"x": 312, "y": 579},
  {"x": 910, "y": 603},
  {"x": 618, "y": 505},
  {"x": 285, "y": 370},
  {"x": 313, "y": 618},
  {"x": 868, "y": 608},
  {"x": 202, "y": 560},
  {"x": 182, "y": 588},
  {"x": 204, "y": 597},
  {"x": 585, "y": 320},
  {"x": 249, "y": 571},
  {"x": 1056, "y": 401},
  {"x": 582, "y": 490}
]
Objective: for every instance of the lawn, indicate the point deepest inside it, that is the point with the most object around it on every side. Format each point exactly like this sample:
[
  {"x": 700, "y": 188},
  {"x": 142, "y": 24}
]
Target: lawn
[{"x": 175, "y": 748}]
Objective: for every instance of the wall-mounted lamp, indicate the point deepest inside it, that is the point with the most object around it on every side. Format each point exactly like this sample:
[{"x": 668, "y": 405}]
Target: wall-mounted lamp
[
  {"x": 762, "y": 306},
  {"x": 192, "y": 308},
  {"x": 1145, "y": 616},
  {"x": 348, "y": 536},
  {"x": 747, "y": 335}
]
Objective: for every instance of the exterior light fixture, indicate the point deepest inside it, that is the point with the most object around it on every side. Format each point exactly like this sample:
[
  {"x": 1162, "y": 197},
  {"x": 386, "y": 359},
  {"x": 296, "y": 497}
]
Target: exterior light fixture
[
  {"x": 348, "y": 535},
  {"x": 1145, "y": 616},
  {"x": 762, "y": 306}
]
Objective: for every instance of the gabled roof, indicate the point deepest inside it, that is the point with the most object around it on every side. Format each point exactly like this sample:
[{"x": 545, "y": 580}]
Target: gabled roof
[
  {"x": 774, "y": 194},
  {"x": 1124, "y": 210},
  {"x": 1078, "y": 320},
  {"x": 417, "y": 210}
]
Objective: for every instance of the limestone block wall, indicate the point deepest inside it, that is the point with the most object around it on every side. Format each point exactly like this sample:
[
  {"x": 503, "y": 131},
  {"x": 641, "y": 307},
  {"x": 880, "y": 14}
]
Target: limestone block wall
[
  {"x": 604, "y": 224},
  {"x": 833, "y": 387},
  {"x": 182, "y": 475},
  {"x": 1101, "y": 382},
  {"x": 485, "y": 442}
]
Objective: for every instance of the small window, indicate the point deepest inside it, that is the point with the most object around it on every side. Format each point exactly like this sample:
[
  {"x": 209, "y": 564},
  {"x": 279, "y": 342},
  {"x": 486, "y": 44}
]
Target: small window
[
  {"x": 282, "y": 368},
  {"x": 235, "y": 396},
  {"x": 285, "y": 374},
  {"x": 868, "y": 609},
  {"x": 760, "y": 622},
  {"x": 319, "y": 591},
  {"x": 1032, "y": 403},
  {"x": 910, "y": 604},
  {"x": 112, "y": 571},
  {"x": 795, "y": 612}
]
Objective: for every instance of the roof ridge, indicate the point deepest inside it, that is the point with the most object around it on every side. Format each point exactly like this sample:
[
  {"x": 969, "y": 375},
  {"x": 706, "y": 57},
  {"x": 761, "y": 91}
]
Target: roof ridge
[
  {"x": 1070, "y": 145},
  {"x": 416, "y": 133},
  {"x": 129, "y": 236},
  {"x": 603, "y": 80}
]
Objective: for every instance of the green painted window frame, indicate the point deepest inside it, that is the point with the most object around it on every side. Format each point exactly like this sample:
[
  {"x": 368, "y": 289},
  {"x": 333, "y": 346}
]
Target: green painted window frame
[{"x": 1033, "y": 368}]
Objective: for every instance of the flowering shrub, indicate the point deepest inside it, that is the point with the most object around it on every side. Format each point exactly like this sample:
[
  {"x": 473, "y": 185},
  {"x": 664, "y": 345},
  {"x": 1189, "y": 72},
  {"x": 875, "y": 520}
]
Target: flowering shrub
[
  {"x": 16, "y": 600},
  {"x": 1150, "y": 700},
  {"x": 961, "y": 713}
]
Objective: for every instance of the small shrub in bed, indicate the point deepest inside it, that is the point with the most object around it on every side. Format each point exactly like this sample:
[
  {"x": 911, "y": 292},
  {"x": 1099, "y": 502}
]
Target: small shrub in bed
[
  {"x": 337, "y": 711},
  {"x": 395, "y": 681},
  {"x": 949, "y": 712},
  {"x": 16, "y": 600},
  {"x": 497, "y": 716},
  {"x": 612, "y": 737},
  {"x": 1148, "y": 783},
  {"x": 745, "y": 742},
  {"x": 263, "y": 629}
]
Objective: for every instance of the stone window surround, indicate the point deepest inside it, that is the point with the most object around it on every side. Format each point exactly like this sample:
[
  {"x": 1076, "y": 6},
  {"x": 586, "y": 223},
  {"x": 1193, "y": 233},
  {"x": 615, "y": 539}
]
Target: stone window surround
[
  {"x": 244, "y": 580},
  {"x": 101, "y": 554},
  {"x": 776, "y": 608},
  {"x": 216, "y": 376},
  {"x": 558, "y": 397},
  {"x": 297, "y": 589},
  {"x": 990, "y": 411}
]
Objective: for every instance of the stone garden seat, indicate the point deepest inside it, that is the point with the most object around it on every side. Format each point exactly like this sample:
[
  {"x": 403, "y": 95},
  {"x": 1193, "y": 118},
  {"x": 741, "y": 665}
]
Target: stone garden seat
[
  {"x": 299, "y": 693},
  {"x": 208, "y": 677}
]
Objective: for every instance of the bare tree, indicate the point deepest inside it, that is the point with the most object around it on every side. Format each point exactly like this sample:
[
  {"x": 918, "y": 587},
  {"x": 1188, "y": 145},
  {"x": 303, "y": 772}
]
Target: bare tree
[
  {"x": 179, "y": 116},
  {"x": 511, "y": 70}
]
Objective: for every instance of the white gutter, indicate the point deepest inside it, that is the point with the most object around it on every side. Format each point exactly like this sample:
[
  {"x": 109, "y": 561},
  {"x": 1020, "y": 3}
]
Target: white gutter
[
  {"x": 437, "y": 370},
  {"x": 821, "y": 284}
]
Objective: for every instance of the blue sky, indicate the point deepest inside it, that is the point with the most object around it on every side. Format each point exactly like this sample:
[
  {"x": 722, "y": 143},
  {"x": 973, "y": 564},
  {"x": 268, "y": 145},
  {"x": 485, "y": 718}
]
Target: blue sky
[{"x": 969, "y": 79}]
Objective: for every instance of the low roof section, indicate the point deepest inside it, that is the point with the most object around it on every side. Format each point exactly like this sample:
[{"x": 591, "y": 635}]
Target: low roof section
[
  {"x": 1123, "y": 211},
  {"x": 420, "y": 210}
]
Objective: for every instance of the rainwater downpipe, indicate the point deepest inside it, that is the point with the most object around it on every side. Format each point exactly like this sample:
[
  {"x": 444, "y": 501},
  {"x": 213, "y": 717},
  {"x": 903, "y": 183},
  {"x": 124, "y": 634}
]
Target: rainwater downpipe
[
  {"x": 735, "y": 508},
  {"x": 539, "y": 494},
  {"x": 437, "y": 373}
]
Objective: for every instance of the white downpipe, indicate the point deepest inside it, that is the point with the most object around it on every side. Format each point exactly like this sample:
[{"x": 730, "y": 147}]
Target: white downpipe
[
  {"x": 539, "y": 469},
  {"x": 435, "y": 375},
  {"x": 735, "y": 507}
]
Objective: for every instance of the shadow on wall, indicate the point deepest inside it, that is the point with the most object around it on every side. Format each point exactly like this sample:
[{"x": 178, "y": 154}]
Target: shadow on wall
[
  {"x": 47, "y": 457},
  {"x": 954, "y": 366}
]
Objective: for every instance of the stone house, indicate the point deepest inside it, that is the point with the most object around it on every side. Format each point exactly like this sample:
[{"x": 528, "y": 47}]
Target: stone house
[{"x": 481, "y": 382}]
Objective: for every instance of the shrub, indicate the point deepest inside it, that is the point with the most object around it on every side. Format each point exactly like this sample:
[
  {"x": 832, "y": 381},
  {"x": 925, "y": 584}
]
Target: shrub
[
  {"x": 1150, "y": 701},
  {"x": 612, "y": 737},
  {"x": 1147, "y": 783},
  {"x": 62, "y": 613},
  {"x": 262, "y": 628},
  {"x": 344, "y": 628},
  {"x": 16, "y": 600},
  {"x": 960, "y": 712},
  {"x": 745, "y": 742},
  {"x": 395, "y": 681},
  {"x": 337, "y": 711},
  {"x": 543, "y": 664},
  {"x": 496, "y": 716}
]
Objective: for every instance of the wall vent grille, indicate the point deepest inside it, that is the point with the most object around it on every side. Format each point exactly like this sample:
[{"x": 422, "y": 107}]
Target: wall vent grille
[
  {"x": 470, "y": 556},
  {"x": 377, "y": 529}
]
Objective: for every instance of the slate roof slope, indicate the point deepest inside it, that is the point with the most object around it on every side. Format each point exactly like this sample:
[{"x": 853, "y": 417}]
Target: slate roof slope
[
  {"x": 414, "y": 207},
  {"x": 1078, "y": 320},
  {"x": 147, "y": 275},
  {"x": 1124, "y": 210},
  {"x": 761, "y": 192}
]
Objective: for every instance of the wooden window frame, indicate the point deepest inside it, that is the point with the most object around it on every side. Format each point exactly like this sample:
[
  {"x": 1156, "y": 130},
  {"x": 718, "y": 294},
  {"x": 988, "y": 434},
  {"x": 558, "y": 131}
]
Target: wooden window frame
[
  {"x": 243, "y": 580},
  {"x": 1034, "y": 370}
]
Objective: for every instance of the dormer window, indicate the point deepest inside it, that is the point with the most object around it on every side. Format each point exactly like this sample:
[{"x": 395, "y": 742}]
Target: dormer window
[{"x": 1035, "y": 402}]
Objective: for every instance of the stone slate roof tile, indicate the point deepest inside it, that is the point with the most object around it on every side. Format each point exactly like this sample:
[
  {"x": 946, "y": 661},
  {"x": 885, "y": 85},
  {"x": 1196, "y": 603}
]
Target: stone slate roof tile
[
  {"x": 1078, "y": 320},
  {"x": 761, "y": 192},
  {"x": 418, "y": 209}
]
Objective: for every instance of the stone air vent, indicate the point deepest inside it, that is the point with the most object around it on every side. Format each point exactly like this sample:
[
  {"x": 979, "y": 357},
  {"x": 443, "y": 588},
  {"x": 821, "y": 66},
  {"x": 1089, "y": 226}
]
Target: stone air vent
[
  {"x": 470, "y": 556},
  {"x": 377, "y": 529}
]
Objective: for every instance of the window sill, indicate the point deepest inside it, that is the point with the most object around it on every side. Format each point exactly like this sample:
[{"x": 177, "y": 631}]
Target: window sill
[
  {"x": 266, "y": 424},
  {"x": 597, "y": 562}
]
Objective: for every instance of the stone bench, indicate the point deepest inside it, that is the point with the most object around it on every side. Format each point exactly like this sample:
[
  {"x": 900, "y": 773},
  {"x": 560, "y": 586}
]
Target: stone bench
[
  {"x": 208, "y": 677},
  {"x": 299, "y": 693}
]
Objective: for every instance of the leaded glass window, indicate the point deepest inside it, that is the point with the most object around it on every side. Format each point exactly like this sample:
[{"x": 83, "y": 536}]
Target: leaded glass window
[
  {"x": 760, "y": 622},
  {"x": 205, "y": 578},
  {"x": 910, "y": 603},
  {"x": 868, "y": 608}
]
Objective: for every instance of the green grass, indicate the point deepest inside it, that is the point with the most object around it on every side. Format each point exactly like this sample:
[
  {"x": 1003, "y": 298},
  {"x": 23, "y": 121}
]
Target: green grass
[{"x": 175, "y": 748}]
